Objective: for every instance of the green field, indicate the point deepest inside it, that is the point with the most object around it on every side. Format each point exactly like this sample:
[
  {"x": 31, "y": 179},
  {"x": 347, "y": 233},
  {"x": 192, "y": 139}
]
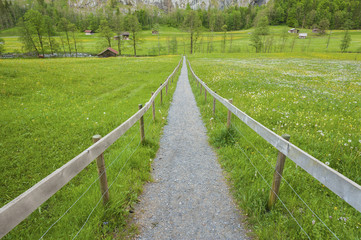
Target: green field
[
  {"x": 50, "y": 109},
  {"x": 237, "y": 41},
  {"x": 316, "y": 99}
]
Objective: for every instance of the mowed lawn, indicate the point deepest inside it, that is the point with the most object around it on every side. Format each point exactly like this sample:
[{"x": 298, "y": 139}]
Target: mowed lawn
[
  {"x": 315, "y": 98},
  {"x": 51, "y": 108}
]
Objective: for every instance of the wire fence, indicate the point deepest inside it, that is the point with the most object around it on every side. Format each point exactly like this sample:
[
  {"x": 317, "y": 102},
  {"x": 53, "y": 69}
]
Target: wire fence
[{"x": 219, "y": 118}]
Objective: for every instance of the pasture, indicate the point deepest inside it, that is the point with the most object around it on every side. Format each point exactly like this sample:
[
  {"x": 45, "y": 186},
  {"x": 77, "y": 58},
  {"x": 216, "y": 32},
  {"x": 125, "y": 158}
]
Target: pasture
[
  {"x": 207, "y": 42},
  {"x": 316, "y": 99},
  {"x": 50, "y": 111}
]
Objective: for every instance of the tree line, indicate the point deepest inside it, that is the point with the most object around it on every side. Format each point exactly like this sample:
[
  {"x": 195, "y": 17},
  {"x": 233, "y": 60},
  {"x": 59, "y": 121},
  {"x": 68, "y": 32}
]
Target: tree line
[{"x": 52, "y": 27}]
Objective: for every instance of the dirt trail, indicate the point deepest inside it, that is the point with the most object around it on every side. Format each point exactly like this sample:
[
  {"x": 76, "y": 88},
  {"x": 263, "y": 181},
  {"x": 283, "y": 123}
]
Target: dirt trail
[{"x": 190, "y": 198}]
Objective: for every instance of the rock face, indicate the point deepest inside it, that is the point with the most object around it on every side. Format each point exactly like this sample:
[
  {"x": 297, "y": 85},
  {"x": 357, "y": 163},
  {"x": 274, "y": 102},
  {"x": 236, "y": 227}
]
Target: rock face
[{"x": 168, "y": 4}]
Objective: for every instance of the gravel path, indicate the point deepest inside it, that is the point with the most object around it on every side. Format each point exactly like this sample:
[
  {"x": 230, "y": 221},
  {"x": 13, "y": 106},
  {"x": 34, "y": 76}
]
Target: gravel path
[{"x": 190, "y": 198}]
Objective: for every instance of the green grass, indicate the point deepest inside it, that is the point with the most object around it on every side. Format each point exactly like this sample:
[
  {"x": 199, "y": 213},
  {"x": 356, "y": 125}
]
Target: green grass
[
  {"x": 240, "y": 42},
  {"x": 316, "y": 99},
  {"x": 50, "y": 111}
]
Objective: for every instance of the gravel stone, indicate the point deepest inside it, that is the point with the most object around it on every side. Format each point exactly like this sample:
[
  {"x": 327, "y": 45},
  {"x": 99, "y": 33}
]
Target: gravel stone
[{"x": 190, "y": 198}]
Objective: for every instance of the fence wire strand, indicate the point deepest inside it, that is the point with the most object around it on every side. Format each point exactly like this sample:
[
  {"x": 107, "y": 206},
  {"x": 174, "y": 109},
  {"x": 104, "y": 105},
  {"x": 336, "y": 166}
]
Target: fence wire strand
[
  {"x": 284, "y": 205},
  {"x": 313, "y": 212},
  {"x": 270, "y": 164},
  {"x": 100, "y": 199},
  {"x": 82, "y": 195}
]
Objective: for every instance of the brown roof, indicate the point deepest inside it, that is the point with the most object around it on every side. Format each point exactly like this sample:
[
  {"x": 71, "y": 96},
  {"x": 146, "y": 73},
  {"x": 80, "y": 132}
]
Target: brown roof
[
  {"x": 125, "y": 33},
  {"x": 88, "y": 31},
  {"x": 109, "y": 49}
]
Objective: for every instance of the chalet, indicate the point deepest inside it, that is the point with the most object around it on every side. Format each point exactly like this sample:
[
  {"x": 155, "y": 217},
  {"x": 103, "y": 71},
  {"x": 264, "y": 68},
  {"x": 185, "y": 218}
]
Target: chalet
[
  {"x": 109, "y": 52},
  {"x": 155, "y": 32},
  {"x": 89, "y": 32},
  {"x": 117, "y": 38},
  {"x": 302, "y": 35},
  {"x": 293, "y": 30},
  {"x": 315, "y": 30},
  {"x": 125, "y": 35}
]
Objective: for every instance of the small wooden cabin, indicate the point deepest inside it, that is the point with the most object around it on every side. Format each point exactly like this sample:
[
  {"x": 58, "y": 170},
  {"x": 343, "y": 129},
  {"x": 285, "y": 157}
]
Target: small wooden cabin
[
  {"x": 315, "y": 30},
  {"x": 89, "y": 32},
  {"x": 155, "y": 32},
  {"x": 117, "y": 38},
  {"x": 125, "y": 35},
  {"x": 109, "y": 52},
  {"x": 293, "y": 30},
  {"x": 302, "y": 35}
]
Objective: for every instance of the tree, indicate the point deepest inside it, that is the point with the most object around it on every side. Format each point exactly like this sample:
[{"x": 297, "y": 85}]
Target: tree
[
  {"x": 33, "y": 30},
  {"x": 132, "y": 25},
  {"x": 224, "y": 30},
  {"x": 118, "y": 27},
  {"x": 324, "y": 25},
  {"x": 50, "y": 32},
  {"x": 2, "y": 45},
  {"x": 192, "y": 24},
  {"x": 73, "y": 30},
  {"x": 64, "y": 26},
  {"x": 346, "y": 41},
  {"x": 106, "y": 32},
  {"x": 258, "y": 36},
  {"x": 156, "y": 29}
]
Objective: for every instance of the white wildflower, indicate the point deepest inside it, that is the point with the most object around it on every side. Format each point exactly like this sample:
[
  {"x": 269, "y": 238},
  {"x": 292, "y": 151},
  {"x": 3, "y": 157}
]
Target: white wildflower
[{"x": 327, "y": 163}]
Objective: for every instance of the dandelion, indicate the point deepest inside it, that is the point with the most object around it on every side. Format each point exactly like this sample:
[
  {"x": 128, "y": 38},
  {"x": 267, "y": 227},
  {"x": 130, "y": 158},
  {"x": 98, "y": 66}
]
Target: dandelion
[
  {"x": 103, "y": 112},
  {"x": 87, "y": 118},
  {"x": 349, "y": 140},
  {"x": 313, "y": 222},
  {"x": 335, "y": 208},
  {"x": 327, "y": 163},
  {"x": 346, "y": 144}
]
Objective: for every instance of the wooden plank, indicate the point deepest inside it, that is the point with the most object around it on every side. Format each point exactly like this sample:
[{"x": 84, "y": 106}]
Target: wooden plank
[
  {"x": 21, "y": 207},
  {"x": 345, "y": 188}
]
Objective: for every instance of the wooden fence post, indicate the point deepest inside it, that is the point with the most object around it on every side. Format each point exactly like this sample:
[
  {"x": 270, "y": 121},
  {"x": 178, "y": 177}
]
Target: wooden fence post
[
  {"x": 200, "y": 88},
  {"x": 205, "y": 94},
  {"x": 277, "y": 177},
  {"x": 161, "y": 95},
  {"x": 102, "y": 173},
  {"x": 141, "y": 125},
  {"x": 153, "y": 108},
  {"x": 229, "y": 115},
  {"x": 166, "y": 89},
  {"x": 197, "y": 84},
  {"x": 214, "y": 105}
]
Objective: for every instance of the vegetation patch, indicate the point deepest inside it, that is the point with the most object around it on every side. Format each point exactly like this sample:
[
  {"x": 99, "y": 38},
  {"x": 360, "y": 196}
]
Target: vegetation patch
[
  {"x": 50, "y": 111},
  {"x": 314, "y": 99}
]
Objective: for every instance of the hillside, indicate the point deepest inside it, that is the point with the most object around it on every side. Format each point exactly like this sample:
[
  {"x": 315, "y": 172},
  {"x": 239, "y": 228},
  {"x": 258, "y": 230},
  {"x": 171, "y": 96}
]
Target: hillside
[{"x": 164, "y": 4}]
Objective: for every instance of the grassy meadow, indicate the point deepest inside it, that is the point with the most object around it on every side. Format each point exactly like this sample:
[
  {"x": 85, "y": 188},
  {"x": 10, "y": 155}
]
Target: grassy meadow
[
  {"x": 207, "y": 42},
  {"x": 313, "y": 97},
  {"x": 50, "y": 109}
]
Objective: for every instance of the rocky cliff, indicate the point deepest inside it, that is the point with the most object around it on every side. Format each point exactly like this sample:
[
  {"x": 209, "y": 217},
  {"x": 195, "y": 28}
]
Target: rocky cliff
[{"x": 167, "y": 4}]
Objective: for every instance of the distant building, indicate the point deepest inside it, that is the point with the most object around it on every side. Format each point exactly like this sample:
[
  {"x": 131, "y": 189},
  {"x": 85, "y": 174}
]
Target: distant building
[
  {"x": 315, "y": 30},
  {"x": 89, "y": 32},
  {"x": 109, "y": 52},
  {"x": 155, "y": 32},
  {"x": 293, "y": 30},
  {"x": 125, "y": 35},
  {"x": 116, "y": 38},
  {"x": 302, "y": 35}
]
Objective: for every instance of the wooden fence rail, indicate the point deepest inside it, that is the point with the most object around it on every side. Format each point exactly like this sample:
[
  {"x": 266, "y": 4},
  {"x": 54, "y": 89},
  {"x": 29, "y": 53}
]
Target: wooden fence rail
[
  {"x": 21, "y": 207},
  {"x": 345, "y": 188}
]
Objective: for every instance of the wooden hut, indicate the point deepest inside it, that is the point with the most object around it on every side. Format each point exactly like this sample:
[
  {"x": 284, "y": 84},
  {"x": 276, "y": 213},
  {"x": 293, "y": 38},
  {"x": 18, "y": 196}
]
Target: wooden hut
[
  {"x": 155, "y": 32},
  {"x": 125, "y": 35},
  {"x": 117, "y": 38},
  {"x": 293, "y": 30},
  {"x": 109, "y": 52},
  {"x": 89, "y": 32},
  {"x": 315, "y": 30},
  {"x": 302, "y": 35}
]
